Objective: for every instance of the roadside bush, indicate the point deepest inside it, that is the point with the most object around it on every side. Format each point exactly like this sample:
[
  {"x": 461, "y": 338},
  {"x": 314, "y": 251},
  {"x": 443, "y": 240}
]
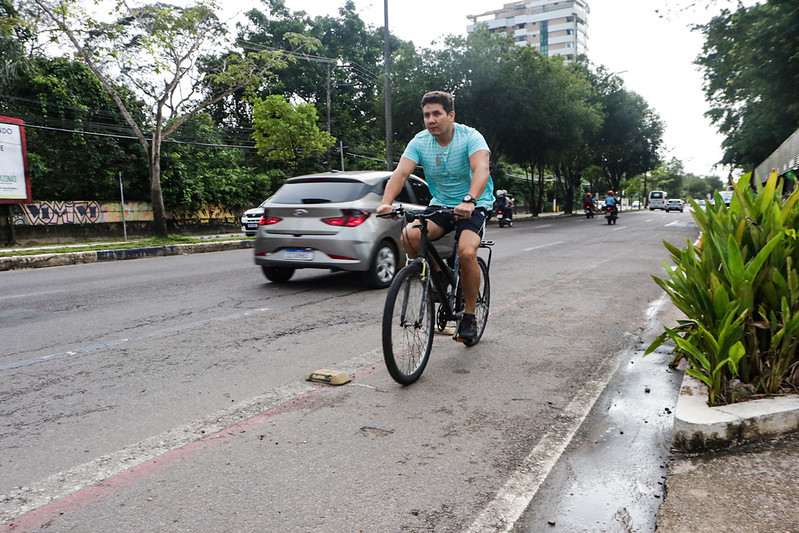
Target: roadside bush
[{"x": 739, "y": 291}]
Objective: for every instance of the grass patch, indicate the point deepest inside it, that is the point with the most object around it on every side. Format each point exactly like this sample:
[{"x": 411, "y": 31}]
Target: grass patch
[{"x": 87, "y": 247}]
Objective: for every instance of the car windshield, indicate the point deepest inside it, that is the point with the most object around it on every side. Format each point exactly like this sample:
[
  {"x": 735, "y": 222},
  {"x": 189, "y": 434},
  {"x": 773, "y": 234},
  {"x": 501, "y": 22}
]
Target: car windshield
[{"x": 321, "y": 191}]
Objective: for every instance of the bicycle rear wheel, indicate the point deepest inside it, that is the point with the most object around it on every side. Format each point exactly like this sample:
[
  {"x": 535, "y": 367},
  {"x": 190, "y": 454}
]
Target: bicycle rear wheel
[
  {"x": 408, "y": 323},
  {"x": 483, "y": 300}
]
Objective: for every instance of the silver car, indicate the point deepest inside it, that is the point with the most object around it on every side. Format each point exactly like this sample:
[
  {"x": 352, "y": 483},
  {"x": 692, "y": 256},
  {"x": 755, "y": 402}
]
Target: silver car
[{"x": 328, "y": 221}]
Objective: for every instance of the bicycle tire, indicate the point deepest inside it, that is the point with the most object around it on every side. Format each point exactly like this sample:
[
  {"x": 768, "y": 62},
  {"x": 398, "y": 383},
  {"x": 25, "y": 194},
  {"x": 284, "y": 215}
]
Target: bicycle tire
[
  {"x": 407, "y": 336},
  {"x": 483, "y": 301}
]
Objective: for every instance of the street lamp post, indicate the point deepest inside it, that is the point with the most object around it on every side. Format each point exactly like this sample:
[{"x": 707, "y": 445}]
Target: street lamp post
[{"x": 387, "y": 90}]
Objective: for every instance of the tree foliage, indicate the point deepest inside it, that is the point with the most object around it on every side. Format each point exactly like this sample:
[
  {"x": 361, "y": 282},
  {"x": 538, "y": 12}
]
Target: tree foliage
[
  {"x": 59, "y": 99},
  {"x": 182, "y": 92},
  {"x": 629, "y": 141},
  {"x": 155, "y": 48},
  {"x": 751, "y": 63},
  {"x": 288, "y": 133},
  {"x": 344, "y": 70}
]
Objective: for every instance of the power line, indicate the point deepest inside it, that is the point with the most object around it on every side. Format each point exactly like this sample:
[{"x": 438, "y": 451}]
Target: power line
[
  {"x": 134, "y": 138},
  {"x": 311, "y": 57},
  {"x": 174, "y": 141}
]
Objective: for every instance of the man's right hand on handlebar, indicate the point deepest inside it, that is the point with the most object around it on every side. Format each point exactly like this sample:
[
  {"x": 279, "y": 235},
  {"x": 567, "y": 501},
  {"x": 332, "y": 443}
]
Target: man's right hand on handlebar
[{"x": 385, "y": 208}]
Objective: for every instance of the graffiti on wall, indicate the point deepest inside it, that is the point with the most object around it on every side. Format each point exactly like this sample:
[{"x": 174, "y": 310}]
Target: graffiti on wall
[
  {"x": 92, "y": 212},
  {"x": 211, "y": 213},
  {"x": 79, "y": 212}
]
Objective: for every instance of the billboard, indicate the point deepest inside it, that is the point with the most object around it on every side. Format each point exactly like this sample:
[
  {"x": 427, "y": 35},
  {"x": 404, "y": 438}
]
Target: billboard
[{"x": 15, "y": 188}]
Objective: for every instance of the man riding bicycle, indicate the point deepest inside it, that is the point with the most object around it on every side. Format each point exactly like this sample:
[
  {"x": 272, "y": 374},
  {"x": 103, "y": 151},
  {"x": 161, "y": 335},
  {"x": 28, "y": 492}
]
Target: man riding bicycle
[{"x": 455, "y": 161}]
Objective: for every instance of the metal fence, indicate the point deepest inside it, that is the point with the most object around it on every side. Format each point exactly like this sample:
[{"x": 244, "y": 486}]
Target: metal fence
[{"x": 784, "y": 159}]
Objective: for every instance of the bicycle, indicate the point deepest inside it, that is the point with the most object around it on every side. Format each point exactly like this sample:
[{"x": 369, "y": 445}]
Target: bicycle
[{"x": 409, "y": 315}]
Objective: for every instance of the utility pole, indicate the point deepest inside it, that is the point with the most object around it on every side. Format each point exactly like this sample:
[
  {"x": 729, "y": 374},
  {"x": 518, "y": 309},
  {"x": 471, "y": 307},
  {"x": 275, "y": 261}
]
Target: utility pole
[
  {"x": 387, "y": 62},
  {"x": 122, "y": 199},
  {"x": 329, "y": 153}
]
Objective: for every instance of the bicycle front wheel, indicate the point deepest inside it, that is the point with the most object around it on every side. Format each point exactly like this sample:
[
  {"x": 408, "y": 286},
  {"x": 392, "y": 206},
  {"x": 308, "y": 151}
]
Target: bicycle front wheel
[
  {"x": 483, "y": 300},
  {"x": 408, "y": 321}
]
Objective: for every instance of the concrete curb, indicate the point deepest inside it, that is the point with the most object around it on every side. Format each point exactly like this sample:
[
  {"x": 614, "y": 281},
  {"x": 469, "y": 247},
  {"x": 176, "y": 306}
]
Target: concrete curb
[
  {"x": 700, "y": 428},
  {"x": 74, "y": 258}
]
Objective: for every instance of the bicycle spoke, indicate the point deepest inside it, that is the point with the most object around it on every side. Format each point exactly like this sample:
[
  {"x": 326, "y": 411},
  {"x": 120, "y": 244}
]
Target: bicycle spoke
[{"x": 407, "y": 326}]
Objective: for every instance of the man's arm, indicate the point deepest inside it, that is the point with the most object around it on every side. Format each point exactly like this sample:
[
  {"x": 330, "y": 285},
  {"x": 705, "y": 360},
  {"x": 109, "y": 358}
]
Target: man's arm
[
  {"x": 480, "y": 172},
  {"x": 395, "y": 183}
]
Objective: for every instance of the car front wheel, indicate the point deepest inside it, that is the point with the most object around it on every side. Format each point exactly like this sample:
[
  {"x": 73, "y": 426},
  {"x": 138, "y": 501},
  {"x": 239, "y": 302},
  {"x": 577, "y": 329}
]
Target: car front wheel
[
  {"x": 277, "y": 274},
  {"x": 384, "y": 266}
]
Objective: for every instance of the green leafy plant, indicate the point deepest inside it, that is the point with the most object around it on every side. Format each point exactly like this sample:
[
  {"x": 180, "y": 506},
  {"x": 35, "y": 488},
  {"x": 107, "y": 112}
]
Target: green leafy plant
[{"x": 739, "y": 291}]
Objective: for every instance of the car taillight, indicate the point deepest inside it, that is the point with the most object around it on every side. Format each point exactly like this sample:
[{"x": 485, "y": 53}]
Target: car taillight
[
  {"x": 349, "y": 218},
  {"x": 267, "y": 220}
]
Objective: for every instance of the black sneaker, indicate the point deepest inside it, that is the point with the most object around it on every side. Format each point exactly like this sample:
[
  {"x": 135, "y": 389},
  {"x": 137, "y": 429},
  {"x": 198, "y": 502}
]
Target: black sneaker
[{"x": 467, "y": 332}]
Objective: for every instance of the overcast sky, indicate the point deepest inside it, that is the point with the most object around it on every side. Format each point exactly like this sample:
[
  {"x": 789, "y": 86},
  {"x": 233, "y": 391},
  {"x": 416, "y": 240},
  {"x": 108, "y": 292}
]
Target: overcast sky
[{"x": 653, "y": 55}]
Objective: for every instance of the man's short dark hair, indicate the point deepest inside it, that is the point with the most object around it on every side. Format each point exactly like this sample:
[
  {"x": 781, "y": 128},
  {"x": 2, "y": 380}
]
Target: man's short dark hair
[{"x": 440, "y": 97}]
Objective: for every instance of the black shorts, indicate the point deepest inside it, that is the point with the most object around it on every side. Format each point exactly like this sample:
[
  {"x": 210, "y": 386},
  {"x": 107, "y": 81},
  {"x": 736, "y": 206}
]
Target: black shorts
[{"x": 475, "y": 223}]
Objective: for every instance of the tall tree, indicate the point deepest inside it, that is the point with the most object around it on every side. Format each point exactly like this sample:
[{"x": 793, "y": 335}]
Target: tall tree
[
  {"x": 751, "y": 63},
  {"x": 629, "y": 141},
  {"x": 156, "y": 47},
  {"x": 546, "y": 118}
]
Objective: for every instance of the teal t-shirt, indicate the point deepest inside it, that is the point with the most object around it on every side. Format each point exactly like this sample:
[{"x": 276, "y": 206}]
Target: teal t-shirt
[{"x": 447, "y": 170}]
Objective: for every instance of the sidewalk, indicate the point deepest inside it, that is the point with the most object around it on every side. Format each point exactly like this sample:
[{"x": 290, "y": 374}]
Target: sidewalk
[
  {"x": 215, "y": 243},
  {"x": 747, "y": 481}
]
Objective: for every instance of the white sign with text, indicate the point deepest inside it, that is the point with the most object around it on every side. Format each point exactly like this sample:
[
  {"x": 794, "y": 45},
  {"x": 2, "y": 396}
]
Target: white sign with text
[{"x": 13, "y": 185}]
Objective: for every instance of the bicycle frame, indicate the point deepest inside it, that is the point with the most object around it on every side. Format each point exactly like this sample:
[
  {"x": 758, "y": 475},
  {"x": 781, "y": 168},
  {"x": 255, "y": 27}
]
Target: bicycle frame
[{"x": 429, "y": 255}]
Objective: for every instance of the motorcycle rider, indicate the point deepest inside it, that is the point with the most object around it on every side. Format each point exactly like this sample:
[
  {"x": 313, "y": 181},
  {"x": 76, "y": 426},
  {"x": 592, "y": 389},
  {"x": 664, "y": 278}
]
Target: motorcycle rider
[
  {"x": 610, "y": 200},
  {"x": 588, "y": 201},
  {"x": 505, "y": 203}
]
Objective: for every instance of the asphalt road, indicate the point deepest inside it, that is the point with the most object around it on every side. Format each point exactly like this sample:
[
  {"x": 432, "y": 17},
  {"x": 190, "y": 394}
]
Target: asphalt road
[{"x": 169, "y": 394}]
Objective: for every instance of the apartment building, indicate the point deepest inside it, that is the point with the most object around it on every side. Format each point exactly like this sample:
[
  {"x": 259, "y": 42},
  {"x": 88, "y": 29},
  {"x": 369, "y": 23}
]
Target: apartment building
[{"x": 553, "y": 28}]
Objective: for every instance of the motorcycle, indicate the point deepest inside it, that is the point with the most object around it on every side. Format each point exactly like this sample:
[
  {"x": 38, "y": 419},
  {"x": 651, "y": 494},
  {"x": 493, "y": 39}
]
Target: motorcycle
[
  {"x": 505, "y": 217},
  {"x": 589, "y": 211},
  {"x": 611, "y": 214}
]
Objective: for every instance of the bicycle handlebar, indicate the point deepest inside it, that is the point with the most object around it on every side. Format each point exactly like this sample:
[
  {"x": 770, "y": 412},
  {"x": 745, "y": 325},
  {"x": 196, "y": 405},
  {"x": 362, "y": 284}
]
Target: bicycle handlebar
[{"x": 411, "y": 215}]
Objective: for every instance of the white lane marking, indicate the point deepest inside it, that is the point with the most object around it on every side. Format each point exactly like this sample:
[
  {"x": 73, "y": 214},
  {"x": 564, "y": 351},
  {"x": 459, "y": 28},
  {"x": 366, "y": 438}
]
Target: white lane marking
[
  {"x": 515, "y": 496},
  {"x": 619, "y": 227},
  {"x": 31, "y": 294},
  {"x": 543, "y": 246},
  {"x": 672, "y": 224},
  {"x": 502, "y": 513}
]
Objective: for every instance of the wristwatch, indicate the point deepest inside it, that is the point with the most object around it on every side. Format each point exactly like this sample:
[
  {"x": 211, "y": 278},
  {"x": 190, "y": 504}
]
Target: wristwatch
[{"x": 470, "y": 198}]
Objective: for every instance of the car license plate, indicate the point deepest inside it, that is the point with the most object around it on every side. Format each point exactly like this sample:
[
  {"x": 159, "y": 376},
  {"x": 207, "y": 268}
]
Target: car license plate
[
  {"x": 299, "y": 255},
  {"x": 252, "y": 226}
]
